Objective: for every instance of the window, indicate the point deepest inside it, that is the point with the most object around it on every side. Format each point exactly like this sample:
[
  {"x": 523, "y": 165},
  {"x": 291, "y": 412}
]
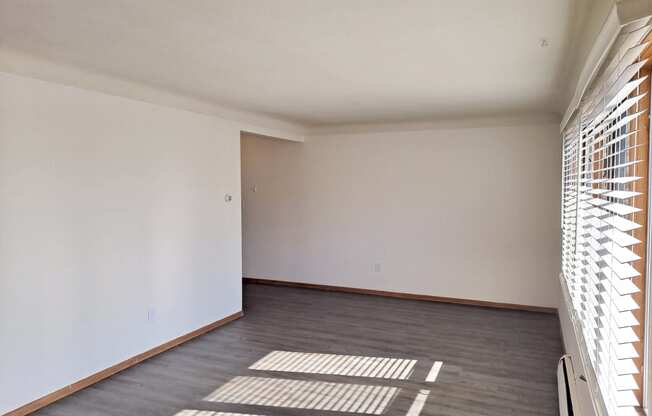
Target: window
[{"x": 604, "y": 221}]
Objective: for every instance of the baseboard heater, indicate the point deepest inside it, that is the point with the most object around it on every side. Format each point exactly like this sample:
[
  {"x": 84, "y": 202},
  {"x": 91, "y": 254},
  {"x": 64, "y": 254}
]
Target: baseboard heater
[{"x": 568, "y": 405}]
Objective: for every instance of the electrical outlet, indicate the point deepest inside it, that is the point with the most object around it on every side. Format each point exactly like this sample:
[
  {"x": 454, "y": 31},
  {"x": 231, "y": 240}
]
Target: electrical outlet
[
  {"x": 151, "y": 314},
  {"x": 377, "y": 267}
]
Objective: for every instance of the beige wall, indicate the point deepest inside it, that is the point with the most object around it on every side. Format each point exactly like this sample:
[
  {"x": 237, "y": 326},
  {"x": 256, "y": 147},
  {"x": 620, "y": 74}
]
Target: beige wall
[
  {"x": 112, "y": 211},
  {"x": 468, "y": 213},
  {"x": 592, "y": 15}
]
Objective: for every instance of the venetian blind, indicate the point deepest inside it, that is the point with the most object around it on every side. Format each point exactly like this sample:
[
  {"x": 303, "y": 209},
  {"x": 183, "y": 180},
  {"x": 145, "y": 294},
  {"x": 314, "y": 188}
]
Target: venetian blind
[{"x": 604, "y": 219}]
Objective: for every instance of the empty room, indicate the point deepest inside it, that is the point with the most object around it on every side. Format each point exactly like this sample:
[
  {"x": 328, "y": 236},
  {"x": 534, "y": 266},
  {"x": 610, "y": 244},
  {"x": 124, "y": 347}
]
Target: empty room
[{"x": 325, "y": 207}]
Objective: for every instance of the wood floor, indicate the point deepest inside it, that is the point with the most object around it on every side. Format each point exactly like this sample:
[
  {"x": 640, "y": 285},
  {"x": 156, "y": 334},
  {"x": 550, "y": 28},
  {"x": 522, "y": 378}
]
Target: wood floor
[{"x": 495, "y": 362}]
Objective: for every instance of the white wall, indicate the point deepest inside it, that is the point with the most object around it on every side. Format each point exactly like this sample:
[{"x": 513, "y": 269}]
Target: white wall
[
  {"x": 109, "y": 207},
  {"x": 467, "y": 213}
]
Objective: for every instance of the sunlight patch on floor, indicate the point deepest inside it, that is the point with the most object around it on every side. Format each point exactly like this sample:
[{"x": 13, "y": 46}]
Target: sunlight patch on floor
[
  {"x": 304, "y": 394},
  {"x": 336, "y": 364},
  {"x": 434, "y": 371},
  {"x": 418, "y": 403},
  {"x": 189, "y": 412}
]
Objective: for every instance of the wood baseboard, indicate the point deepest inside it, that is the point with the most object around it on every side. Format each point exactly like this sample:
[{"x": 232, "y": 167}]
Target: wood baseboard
[
  {"x": 94, "y": 378},
  {"x": 400, "y": 295}
]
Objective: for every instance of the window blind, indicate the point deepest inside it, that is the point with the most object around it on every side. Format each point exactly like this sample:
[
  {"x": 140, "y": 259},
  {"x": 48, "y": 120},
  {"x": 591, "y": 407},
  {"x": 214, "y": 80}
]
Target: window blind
[{"x": 604, "y": 219}]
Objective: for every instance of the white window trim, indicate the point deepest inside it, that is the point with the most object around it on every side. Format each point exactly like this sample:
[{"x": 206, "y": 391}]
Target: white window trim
[
  {"x": 587, "y": 369},
  {"x": 647, "y": 353}
]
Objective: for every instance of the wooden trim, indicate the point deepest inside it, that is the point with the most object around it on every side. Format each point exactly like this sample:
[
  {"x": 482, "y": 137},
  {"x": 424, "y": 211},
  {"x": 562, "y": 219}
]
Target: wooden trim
[
  {"x": 400, "y": 295},
  {"x": 94, "y": 378},
  {"x": 642, "y": 124}
]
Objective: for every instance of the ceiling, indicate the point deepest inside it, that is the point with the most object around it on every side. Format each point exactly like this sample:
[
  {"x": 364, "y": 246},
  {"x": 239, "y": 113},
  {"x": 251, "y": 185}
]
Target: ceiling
[{"x": 316, "y": 63}]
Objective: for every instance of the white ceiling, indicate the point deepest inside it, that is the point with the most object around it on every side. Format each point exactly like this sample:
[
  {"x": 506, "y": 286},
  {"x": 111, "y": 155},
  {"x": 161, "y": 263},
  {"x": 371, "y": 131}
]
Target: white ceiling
[{"x": 319, "y": 62}]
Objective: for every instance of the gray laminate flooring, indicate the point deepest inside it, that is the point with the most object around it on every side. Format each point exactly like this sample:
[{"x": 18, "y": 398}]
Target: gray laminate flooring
[{"x": 494, "y": 362}]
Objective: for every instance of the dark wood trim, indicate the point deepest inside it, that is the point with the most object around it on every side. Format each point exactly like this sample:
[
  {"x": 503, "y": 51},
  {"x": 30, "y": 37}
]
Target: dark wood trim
[
  {"x": 94, "y": 378},
  {"x": 400, "y": 295}
]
